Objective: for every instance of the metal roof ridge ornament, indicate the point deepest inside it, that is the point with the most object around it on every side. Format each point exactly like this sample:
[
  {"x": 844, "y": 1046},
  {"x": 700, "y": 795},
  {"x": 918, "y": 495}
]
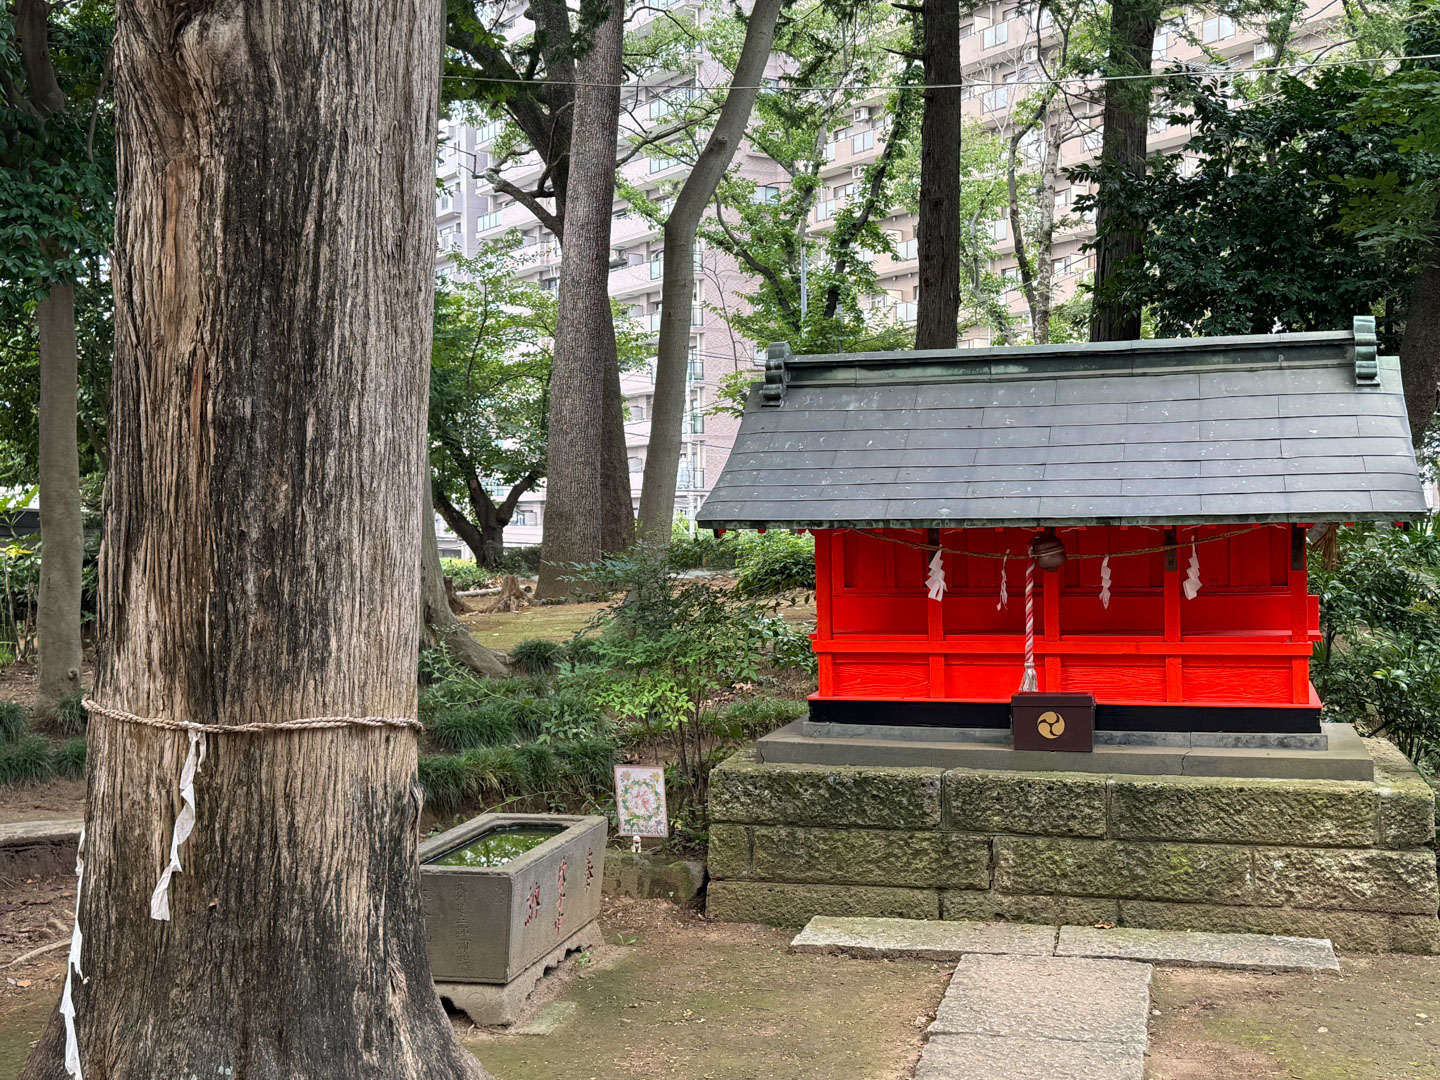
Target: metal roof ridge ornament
[
  {"x": 1367, "y": 366},
  {"x": 777, "y": 376}
]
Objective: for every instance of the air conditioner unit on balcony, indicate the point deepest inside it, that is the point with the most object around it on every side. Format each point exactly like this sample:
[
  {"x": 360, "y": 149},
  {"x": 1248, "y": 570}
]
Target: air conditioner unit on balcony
[
  {"x": 857, "y": 172},
  {"x": 862, "y": 113}
]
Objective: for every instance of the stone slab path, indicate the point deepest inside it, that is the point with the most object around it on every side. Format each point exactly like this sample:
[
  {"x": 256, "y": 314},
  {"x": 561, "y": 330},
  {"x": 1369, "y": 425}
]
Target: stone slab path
[
  {"x": 1049, "y": 1002},
  {"x": 1040, "y": 1018}
]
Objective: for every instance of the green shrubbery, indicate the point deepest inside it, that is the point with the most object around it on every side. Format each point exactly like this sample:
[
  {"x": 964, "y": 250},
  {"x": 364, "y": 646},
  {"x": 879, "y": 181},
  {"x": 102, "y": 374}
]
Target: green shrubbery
[
  {"x": 30, "y": 758},
  {"x": 1378, "y": 663},
  {"x": 773, "y": 562},
  {"x": 656, "y": 671},
  {"x": 466, "y": 574}
]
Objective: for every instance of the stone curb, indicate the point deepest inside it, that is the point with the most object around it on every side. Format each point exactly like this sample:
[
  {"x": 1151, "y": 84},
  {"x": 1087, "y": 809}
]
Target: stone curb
[{"x": 924, "y": 940}]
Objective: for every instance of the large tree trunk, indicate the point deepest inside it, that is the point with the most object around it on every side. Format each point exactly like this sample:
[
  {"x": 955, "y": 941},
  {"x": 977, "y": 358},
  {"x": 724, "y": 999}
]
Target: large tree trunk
[
  {"x": 1120, "y": 242},
  {"x": 1420, "y": 347},
  {"x": 63, "y": 540},
  {"x": 677, "y": 291},
  {"x": 937, "y": 309},
  {"x": 273, "y": 264},
  {"x": 438, "y": 626},
  {"x": 581, "y": 393}
]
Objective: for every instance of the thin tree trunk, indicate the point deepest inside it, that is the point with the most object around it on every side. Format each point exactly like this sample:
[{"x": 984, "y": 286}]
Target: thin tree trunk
[
  {"x": 677, "y": 292},
  {"x": 63, "y": 541},
  {"x": 617, "y": 502},
  {"x": 581, "y": 393},
  {"x": 1120, "y": 241},
  {"x": 937, "y": 308},
  {"x": 438, "y": 626},
  {"x": 273, "y": 264},
  {"x": 1420, "y": 346}
]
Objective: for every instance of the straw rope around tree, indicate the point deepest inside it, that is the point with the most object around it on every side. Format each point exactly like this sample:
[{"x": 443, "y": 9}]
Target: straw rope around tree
[{"x": 307, "y": 723}]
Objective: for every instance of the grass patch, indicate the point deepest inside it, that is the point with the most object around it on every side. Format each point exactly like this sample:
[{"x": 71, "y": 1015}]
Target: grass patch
[
  {"x": 14, "y": 721},
  {"x": 28, "y": 761}
]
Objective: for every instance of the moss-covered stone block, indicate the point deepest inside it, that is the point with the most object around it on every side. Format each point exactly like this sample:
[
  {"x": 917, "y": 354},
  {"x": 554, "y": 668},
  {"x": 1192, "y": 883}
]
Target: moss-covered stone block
[
  {"x": 1399, "y": 882},
  {"x": 1204, "y": 809},
  {"x": 651, "y": 877},
  {"x": 989, "y": 905},
  {"x": 1406, "y": 800},
  {"x": 1357, "y": 930},
  {"x": 728, "y": 853},
  {"x": 1122, "y": 868},
  {"x": 1039, "y": 804},
  {"x": 794, "y": 905},
  {"x": 871, "y": 857},
  {"x": 746, "y": 791}
]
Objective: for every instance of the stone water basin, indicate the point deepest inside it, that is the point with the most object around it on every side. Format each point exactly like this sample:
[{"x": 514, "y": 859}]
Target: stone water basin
[{"x": 507, "y": 895}]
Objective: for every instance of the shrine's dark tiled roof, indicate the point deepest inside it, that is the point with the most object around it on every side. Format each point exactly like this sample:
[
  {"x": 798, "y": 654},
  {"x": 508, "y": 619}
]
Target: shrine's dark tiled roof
[{"x": 1288, "y": 427}]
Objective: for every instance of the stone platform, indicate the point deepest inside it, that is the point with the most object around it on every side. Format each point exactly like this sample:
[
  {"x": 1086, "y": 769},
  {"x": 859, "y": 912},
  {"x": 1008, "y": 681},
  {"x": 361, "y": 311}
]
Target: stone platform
[{"x": 1351, "y": 860}]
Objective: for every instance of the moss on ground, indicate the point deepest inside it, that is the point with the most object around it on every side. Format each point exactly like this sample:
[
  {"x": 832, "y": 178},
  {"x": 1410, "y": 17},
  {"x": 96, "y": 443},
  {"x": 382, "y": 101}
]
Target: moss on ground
[
  {"x": 504, "y": 630},
  {"x": 1380, "y": 1020},
  {"x": 729, "y": 1004}
]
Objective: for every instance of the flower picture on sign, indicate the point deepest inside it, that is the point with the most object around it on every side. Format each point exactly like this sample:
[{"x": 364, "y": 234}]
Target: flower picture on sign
[{"x": 640, "y": 800}]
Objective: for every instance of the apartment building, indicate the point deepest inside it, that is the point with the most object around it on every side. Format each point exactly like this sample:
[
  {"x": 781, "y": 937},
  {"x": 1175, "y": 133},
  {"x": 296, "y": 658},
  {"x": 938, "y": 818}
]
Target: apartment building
[{"x": 1001, "y": 44}]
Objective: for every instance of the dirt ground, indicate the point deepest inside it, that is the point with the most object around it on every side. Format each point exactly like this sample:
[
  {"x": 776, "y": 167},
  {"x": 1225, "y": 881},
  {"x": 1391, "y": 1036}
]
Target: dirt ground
[
  {"x": 1376, "y": 1021},
  {"x": 33, "y": 913},
  {"x": 674, "y": 995},
  {"x": 668, "y": 995}
]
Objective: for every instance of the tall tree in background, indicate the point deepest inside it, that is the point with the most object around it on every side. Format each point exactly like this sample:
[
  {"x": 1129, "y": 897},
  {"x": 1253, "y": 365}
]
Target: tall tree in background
[
  {"x": 581, "y": 524},
  {"x": 55, "y": 208},
  {"x": 1120, "y": 237},
  {"x": 274, "y": 249},
  {"x": 534, "y": 80},
  {"x": 937, "y": 308},
  {"x": 677, "y": 295}
]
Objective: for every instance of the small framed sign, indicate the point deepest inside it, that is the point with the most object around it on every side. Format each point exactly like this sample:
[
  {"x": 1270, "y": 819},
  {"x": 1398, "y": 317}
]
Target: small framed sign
[{"x": 640, "y": 800}]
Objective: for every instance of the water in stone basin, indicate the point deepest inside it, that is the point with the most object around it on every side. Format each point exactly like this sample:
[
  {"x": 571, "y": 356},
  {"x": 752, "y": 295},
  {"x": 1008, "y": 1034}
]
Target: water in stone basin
[{"x": 498, "y": 846}]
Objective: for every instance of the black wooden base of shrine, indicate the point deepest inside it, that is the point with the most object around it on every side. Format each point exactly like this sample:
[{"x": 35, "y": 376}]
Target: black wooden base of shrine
[{"x": 1297, "y": 720}]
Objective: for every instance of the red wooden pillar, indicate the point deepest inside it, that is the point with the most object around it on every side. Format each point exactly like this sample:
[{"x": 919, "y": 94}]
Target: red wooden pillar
[
  {"x": 1174, "y": 674},
  {"x": 1299, "y": 614},
  {"x": 827, "y": 544}
]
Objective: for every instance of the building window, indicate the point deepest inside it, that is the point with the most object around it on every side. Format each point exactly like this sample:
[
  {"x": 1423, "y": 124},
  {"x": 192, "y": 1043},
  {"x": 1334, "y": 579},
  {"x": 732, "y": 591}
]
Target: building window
[
  {"x": 999, "y": 229},
  {"x": 1062, "y": 198},
  {"x": 1217, "y": 29},
  {"x": 861, "y": 142},
  {"x": 998, "y": 34},
  {"x": 660, "y": 164},
  {"x": 1157, "y": 50},
  {"x": 824, "y": 209},
  {"x": 997, "y": 98},
  {"x": 1264, "y": 50},
  {"x": 523, "y": 517},
  {"x": 696, "y": 370},
  {"x": 765, "y": 194},
  {"x": 636, "y": 465},
  {"x": 657, "y": 265}
]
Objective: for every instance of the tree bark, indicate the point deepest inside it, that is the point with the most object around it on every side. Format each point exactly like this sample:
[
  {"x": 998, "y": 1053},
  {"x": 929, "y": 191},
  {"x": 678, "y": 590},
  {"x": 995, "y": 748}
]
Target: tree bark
[
  {"x": 677, "y": 291},
  {"x": 1420, "y": 346},
  {"x": 438, "y": 626},
  {"x": 57, "y": 619},
  {"x": 273, "y": 264},
  {"x": 1120, "y": 241},
  {"x": 581, "y": 393},
  {"x": 937, "y": 308}
]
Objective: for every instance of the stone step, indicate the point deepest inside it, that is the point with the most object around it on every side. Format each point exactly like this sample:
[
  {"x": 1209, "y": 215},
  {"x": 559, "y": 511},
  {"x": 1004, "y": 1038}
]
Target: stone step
[
  {"x": 1189, "y": 948},
  {"x": 1040, "y": 1018},
  {"x": 944, "y": 940},
  {"x": 870, "y": 938}
]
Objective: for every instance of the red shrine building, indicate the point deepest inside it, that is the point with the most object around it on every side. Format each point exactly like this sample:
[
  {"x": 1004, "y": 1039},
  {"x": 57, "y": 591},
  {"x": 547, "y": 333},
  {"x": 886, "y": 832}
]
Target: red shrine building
[{"x": 1166, "y": 490}]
